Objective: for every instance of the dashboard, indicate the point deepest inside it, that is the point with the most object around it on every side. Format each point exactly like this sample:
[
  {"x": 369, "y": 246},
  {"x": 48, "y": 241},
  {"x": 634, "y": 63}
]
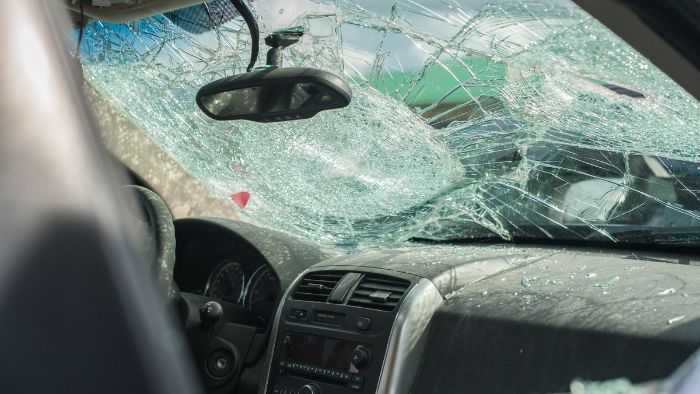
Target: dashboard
[{"x": 445, "y": 319}]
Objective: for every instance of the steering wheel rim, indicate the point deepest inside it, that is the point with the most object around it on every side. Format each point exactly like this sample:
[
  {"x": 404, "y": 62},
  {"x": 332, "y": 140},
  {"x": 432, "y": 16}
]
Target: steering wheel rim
[{"x": 158, "y": 217}]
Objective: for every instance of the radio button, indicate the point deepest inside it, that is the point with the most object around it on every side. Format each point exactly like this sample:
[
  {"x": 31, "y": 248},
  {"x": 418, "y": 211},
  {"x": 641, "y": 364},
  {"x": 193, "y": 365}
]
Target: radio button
[
  {"x": 356, "y": 382},
  {"x": 326, "y": 317},
  {"x": 299, "y": 314},
  {"x": 363, "y": 323}
]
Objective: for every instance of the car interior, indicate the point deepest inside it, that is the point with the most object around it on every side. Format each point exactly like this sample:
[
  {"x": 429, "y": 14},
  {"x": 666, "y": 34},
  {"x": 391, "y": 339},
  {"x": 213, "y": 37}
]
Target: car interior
[{"x": 105, "y": 291}]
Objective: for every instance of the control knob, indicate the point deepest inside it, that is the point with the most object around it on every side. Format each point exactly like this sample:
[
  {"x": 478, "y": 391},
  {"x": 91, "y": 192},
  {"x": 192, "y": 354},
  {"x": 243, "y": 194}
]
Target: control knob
[
  {"x": 210, "y": 312},
  {"x": 361, "y": 356},
  {"x": 310, "y": 389}
]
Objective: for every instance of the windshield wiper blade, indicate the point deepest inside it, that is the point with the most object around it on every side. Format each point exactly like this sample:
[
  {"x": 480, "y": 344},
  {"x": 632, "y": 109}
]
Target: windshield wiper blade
[
  {"x": 621, "y": 234},
  {"x": 479, "y": 239},
  {"x": 665, "y": 235}
]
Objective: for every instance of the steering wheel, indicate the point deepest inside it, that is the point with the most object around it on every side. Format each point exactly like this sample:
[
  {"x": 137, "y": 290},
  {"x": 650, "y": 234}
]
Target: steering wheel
[{"x": 221, "y": 335}]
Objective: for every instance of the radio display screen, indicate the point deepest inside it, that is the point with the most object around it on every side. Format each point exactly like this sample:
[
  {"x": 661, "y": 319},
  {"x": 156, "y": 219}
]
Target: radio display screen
[{"x": 320, "y": 351}]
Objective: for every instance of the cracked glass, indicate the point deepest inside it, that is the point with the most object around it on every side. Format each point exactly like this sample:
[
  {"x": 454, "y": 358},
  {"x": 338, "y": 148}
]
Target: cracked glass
[{"x": 469, "y": 119}]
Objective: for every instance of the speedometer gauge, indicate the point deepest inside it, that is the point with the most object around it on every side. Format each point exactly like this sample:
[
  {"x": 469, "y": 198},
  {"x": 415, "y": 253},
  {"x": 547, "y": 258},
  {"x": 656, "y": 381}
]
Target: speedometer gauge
[
  {"x": 263, "y": 293},
  {"x": 227, "y": 282}
]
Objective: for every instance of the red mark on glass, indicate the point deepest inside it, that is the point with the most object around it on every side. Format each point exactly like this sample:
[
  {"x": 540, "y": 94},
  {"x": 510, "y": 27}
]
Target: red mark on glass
[{"x": 240, "y": 198}]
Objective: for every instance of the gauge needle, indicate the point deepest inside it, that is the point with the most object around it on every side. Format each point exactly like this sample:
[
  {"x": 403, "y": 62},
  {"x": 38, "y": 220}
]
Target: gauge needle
[{"x": 231, "y": 281}]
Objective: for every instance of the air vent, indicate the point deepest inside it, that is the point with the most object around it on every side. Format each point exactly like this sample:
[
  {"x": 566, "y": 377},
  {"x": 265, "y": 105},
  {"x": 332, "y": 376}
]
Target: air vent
[
  {"x": 379, "y": 292},
  {"x": 317, "y": 286}
]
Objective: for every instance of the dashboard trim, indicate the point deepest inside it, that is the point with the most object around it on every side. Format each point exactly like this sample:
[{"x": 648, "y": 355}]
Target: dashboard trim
[{"x": 406, "y": 340}]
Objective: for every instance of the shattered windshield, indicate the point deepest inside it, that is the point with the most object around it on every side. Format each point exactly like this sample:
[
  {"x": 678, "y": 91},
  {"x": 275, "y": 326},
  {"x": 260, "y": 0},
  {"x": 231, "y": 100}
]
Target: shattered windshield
[{"x": 469, "y": 119}]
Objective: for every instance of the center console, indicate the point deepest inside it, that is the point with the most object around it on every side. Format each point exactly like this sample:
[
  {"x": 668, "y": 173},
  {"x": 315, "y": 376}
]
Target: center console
[{"x": 333, "y": 331}]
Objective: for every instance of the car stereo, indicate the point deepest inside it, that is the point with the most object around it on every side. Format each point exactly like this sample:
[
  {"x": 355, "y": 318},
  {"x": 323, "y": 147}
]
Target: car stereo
[
  {"x": 330, "y": 343},
  {"x": 325, "y": 359}
]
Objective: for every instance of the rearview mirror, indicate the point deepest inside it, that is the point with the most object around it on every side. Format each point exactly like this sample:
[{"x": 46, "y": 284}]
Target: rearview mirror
[{"x": 274, "y": 95}]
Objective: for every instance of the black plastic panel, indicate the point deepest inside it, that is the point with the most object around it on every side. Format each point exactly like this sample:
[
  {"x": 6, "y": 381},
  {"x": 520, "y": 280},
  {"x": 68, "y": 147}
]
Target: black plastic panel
[{"x": 481, "y": 355}]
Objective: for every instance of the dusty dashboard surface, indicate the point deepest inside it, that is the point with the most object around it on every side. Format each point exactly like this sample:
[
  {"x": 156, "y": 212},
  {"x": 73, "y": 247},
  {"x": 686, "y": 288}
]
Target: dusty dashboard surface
[{"x": 528, "y": 319}]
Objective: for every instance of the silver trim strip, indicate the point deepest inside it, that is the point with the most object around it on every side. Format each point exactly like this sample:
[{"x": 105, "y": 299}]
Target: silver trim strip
[{"x": 406, "y": 341}]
